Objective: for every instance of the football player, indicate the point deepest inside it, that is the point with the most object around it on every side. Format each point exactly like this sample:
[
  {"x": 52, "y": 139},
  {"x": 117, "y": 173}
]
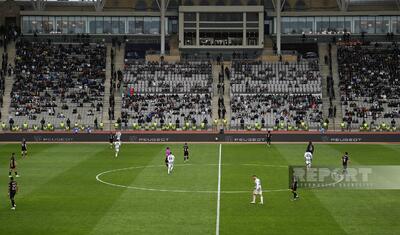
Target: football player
[
  {"x": 13, "y": 166},
  {"x": 171, "y": 159},
  {"x": 257, "y": 190},
  {"x": 308, "y": 159},
  {"x": 117, "y": 145},
  {"x": 24, "y": 148},
  {"x": 185, "y": 152}
]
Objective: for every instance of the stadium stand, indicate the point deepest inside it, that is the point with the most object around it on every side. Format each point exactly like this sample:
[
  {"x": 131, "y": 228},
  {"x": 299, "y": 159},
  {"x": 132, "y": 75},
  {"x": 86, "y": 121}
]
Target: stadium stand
[
  {"x": 167, "y": 94},
  {"x": 145, "y": 77},
  {"x": 369, "y": 83},
  {"x": 250, "y": 77},
  {"x": 3, "y": 74},
  {"x": 265, "y": 94},
  {"x": 58, "y": 83}
]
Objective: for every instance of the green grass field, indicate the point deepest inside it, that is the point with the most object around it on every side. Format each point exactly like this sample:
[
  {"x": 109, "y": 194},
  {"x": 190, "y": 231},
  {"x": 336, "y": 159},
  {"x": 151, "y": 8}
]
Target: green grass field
[{"x": 59, "y": 193}]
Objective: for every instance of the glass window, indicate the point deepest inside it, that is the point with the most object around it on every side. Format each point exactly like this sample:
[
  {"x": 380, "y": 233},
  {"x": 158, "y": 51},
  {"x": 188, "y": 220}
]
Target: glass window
[
  {"x": 371, "y": 25},
  {"x": 189, "y": 37},
  {"x": 251, "y": 38},
  {"x": 172, "y": 25},
  {"x": 107, "y": 25},
  {"x": 92, "y": 25},
  {"x": 139, "y": 25},
  {"x": 302, "y": 26},
  {"x": 189, "y": 16},
  {"x": 99, "y": 25},
  {"x": 286, "y": 27},
  {"x": 52, "y": 24},
  {"x": 382, "y": 24},
  {"x": 71, "y": 24},
  {"x": 252, "y": 16},
  {"x": 221, "y": 16},
  {"x": 318, "y": 21},
  {"x": 26, "y": 26},
  {"x": 147, "y": 25},
  {"x": 122, "y": 23},
  {"x": 322, "y": 24},
  {"x": 347, "y": 24},
  {"x": 395, "y": 24},
  {"x": 309, "y": 29},
  {"x": 367, "y": 25},
  {"x": 80, "y": 24},
  {"x": 131, "y": 25},
  {"x": 38, "y": 24},
  {"x": 155, "y": 26},
  {"x": 357, "y": 24},
  {"x": 340, "y": 24},
  {"x": 64, "y": 24},
  {"x": 32, "y": 23},
  {"x": 45, "y": 24},
  {"x": 115, "y": 25},
  {"x": 58, "y": 24},
  {"x": 378, "y": 24}
]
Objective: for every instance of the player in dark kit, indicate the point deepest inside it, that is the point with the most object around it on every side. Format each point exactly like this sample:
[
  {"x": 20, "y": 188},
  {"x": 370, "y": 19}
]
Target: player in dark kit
[
  {"x": 185, "y": 152},
  {"x": 13, "y": 166},
  {"x": 269, "y": 136},
  {"x": 111, "y": 139},
  {"x": 310, "y": 148},
  {"x": 24, "y": 148},
  {"x": 167, "y": 153},
  {"x": 294, "y": 189},
  {"x": 12, "y": 190},
  {"x": 345, "y": 161}
]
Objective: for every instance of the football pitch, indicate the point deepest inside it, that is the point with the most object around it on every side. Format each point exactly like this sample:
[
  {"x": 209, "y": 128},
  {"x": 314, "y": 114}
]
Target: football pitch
[{"x": 82, "y": 189}]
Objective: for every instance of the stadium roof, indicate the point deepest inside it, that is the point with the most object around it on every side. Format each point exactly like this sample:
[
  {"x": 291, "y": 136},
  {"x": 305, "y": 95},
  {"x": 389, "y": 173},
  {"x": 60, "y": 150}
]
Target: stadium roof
[{"x": 288, "y": 5}]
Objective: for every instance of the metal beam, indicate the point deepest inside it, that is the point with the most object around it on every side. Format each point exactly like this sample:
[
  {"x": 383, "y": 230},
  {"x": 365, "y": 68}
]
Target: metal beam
[
  {"x": 99, "y": 4},
  {"x": 278, "y": 6},
  {"x": 343, "y": 4},
  {"x": 398, "y": 4},
  {"x": 163, "y": 5},
  {"x": 39, "y": 5}
]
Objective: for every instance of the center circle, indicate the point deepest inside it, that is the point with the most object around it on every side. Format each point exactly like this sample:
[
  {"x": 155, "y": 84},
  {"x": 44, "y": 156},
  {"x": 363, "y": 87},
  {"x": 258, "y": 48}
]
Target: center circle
[{"x": 100, "y": 178}]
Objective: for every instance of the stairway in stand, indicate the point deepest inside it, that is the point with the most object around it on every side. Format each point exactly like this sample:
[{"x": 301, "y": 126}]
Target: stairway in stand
[
  {"x": 324, "y": 69},
  {"x": 227, "y": 94},
  {"x": 106, "y": 104},
  {"x": 336, "y": 102},
  {"x": 215, "y": 72},
  {"x": 119, "y": 65},
  {"x": 8, "y": 83}
]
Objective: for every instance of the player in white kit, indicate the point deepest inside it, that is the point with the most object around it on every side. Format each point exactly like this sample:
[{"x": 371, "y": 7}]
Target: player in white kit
[
  {"x": 170, "y": 160},
  {"x": 118, "y": 136},
  {"x": 117, "y": 145},
  {"x": 308, "y": 159},
  {"x": 257, "y": 190}
]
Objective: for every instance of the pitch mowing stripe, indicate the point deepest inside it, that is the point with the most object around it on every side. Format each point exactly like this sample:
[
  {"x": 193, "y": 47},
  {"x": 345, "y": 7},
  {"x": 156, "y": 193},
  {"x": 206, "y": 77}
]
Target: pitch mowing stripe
[{"x": 219, "y": 190}]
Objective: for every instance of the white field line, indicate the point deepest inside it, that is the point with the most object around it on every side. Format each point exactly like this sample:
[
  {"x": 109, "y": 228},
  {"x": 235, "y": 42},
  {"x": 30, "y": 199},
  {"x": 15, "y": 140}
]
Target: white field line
[
  {"x": 99, "y": 176},
  {"x": 219, "y": 190}
]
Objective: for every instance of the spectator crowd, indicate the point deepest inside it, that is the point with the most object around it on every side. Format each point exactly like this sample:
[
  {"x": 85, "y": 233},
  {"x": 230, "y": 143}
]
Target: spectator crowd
[
  {"x": 370, "y": 83},
  {"x": 55, "y": 82}
]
